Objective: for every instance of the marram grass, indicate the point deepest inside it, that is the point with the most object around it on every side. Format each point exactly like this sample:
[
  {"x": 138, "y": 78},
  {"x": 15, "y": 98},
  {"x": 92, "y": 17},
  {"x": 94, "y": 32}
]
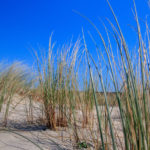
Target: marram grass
[{"x": 67, "y": 105}]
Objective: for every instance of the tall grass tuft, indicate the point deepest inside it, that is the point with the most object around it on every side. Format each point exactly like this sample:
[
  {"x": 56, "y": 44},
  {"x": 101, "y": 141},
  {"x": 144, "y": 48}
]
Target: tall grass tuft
[
  {"x": 56, "y": 75},
  {"x": 134, "y": 106},
  {"x": 14, "y": 79}
]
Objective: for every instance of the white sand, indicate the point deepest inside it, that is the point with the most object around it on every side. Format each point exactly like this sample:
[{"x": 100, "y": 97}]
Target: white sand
[{"x": 46, "y": 139}]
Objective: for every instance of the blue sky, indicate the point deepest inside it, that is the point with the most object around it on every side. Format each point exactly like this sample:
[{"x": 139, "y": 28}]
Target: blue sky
[{"x": 27, "y": 24}]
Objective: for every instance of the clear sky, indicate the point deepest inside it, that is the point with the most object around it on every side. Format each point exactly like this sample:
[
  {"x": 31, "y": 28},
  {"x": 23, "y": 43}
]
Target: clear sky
[{"x": 27, "y": 24}]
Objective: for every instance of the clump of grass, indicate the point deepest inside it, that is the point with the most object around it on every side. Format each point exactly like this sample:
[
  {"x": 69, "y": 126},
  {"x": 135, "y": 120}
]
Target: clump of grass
[
  {"x": 134, "y": 109},
  {"x": 56, "y": 83},
  {"x": 14, "y": 79}
]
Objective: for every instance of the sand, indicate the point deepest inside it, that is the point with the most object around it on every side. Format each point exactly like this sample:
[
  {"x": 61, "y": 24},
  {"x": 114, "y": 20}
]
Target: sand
[{"x": 22, "y": 132}]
